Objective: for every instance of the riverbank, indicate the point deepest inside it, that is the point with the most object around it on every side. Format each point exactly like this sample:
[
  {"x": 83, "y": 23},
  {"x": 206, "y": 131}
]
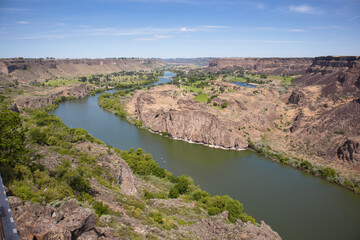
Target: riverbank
[
  {"x": 160, "y": 110},
  {"x": 117, "y": 189}
]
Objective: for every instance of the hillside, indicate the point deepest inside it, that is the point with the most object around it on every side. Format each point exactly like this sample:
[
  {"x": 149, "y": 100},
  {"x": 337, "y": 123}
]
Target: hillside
[{"x": 26, "y": 70}]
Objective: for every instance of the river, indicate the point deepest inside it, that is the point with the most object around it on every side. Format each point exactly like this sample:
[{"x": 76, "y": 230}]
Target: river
[{"x": 295, "y": 204}]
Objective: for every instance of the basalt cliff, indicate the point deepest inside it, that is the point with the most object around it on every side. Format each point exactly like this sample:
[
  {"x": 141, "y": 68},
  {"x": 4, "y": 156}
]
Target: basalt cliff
[
  {"x": 328, "y": 109},
  {"x": 272, "y": 66},
  {"x": 26, "y": 70}
]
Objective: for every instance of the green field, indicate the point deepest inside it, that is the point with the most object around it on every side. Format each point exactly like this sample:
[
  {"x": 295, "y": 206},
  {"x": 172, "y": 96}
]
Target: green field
[{"x": 203, "y": 97}]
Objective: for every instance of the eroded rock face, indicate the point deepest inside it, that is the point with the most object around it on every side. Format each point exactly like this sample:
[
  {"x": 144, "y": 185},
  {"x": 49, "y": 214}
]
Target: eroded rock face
[
  {"x": 339, "y": 76},
  {"x": 349, "y": 151},
  {"x": 216, "y": 227},
  {"x": 275, "y": 66},
  {"x": 196, "y": 126},
  {"x": 76, "y": 219},
  {"x": 118, "y": 168},
  {"x": 47, "y": 98},
  {"x": 164, "y": 110},
  {"x": 69, "y": 221},
  {"x": 296, "y": 97}
]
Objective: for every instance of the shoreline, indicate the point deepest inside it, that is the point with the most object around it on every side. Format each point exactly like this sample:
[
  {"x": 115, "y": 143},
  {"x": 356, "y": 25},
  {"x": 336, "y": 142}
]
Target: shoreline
[{"x": 199, "y": 143}]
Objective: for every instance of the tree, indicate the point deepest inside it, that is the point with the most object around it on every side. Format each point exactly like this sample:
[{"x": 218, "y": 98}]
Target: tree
[
  {"x": 224, "y": 105},
  {"x": 263, "y": 76},
  {"x": 12, "y": 136}
]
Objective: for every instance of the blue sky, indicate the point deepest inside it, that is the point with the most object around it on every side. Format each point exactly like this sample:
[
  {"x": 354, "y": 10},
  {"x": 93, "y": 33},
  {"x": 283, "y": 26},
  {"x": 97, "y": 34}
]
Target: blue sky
[{"x": 178, "y": 28}]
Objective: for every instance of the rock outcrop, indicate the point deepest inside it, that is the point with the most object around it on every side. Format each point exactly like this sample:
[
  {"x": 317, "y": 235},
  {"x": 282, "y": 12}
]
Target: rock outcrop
[
  {"x": 117, "y": 167},
  {"x": 216, "y": 227},
  {"x": 44, "y": 98},
  {"x": 296, "y": 97},
  {"x": 328, "y": 121},
  {"x": 67, "y": 221},
  {"x": 350, "y": 151},
  {"x": 275, "y": 66},
  {"x": 165, "y": 111}
]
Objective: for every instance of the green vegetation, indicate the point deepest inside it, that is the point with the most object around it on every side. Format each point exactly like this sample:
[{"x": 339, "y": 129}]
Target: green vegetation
[
  {"x": 202, "y": 97},
  {"x": 224, "y": 105},
  {"x": 325, "y": 172},
  {"x": 118, "y": 80},
  {"x": 113, "y": 102}
]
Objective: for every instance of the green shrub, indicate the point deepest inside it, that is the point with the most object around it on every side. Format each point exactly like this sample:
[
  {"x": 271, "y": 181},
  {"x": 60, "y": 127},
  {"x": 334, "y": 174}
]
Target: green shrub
[
  {"x": 101, "y": 208},
  {"x": 306, "y": 165},
  {"x": 218, "y": 204},
  {"x": 22, "y": 190},
  {"x": 157, "y": 217},
  {"x": 174, "y": 193},
  {"x": 183, "y": 185},
  {"x": 37, "y": 136},
  {"x": 199, "y": 195},
  {"x": 246, "y": 218},
  {"x": 74, "y": 178},
  {"x": 328, "y": 173},
  {"x": 224, "y": 105},
  {"x": 97, "y": 170},
  {"x": 148, "y": 195}
]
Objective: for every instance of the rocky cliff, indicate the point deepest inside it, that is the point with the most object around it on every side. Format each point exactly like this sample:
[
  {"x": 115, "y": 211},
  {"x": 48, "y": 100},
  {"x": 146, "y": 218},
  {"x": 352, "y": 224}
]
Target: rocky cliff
[
  {"x": 272, "y": 66},
  {"x": 166, "y": 109},
  {"x": 26, "y": 70},
  {"x": 338, "y": 76},
  {"x": 328, "y": 113},
  {"x": 45, "y": 98}
]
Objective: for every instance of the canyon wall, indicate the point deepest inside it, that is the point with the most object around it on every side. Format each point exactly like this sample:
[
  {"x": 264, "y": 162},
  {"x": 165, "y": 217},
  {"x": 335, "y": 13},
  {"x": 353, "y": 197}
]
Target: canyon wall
[
  {"x": 45, "y": 98},
  {"x": 338, "y": 76},
  {"x": 332, "y": 127},
  {"x": 274, "y": 66},
  {"x": 26, "y": 70}
]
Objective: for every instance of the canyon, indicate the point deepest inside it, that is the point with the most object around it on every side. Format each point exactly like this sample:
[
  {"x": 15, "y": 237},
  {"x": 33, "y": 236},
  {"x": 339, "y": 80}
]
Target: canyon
[{"x": 315, "y": 119}]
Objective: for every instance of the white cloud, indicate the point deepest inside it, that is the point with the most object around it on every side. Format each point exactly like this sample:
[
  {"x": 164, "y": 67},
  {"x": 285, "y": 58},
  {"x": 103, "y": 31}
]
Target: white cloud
[
  {"x": 354, "y": 18},
  {"x": 295, "y": 30},
  {"x": 184, "y": 29},
  {"x": 206, "y": 28},
  {"x": 306, "y": 9},
  {"x": 326, "y": 27},
  {"x": 277, "y": 29},
  {"x": 60, "y": 24},
  {"x": 146, "y": 33},
  {"x": 22, "y": 22},
  {"x": 154, "y": 37},
  {"x": 260, "y": 6}
]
